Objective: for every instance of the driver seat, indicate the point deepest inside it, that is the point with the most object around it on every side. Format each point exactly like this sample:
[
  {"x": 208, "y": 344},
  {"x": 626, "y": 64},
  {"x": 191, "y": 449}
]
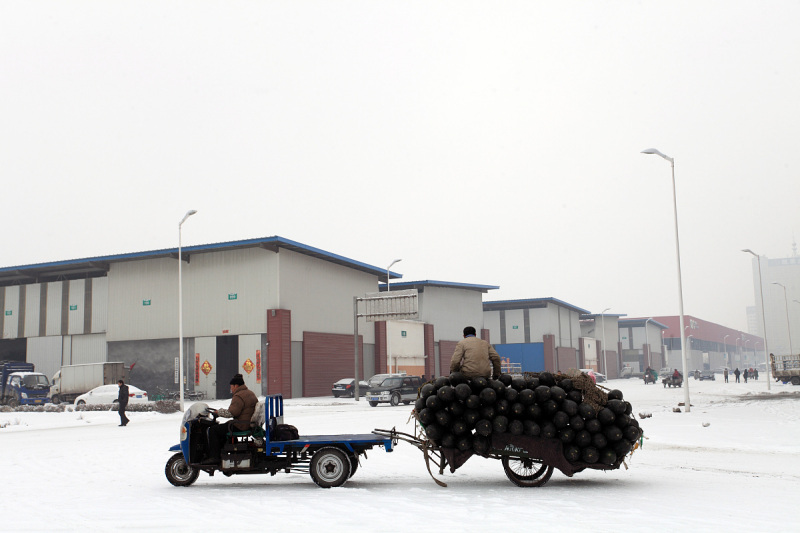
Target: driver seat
[{"x": 257, "y": 422}]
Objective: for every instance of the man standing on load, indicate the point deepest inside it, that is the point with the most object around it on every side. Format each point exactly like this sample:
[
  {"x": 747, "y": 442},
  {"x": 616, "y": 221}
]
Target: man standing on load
[{"x": 475, "y": 357}]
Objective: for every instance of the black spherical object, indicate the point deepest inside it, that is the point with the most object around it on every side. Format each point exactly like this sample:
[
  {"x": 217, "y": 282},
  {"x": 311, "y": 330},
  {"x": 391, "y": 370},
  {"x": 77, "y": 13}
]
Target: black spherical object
[
  {"x": 433, "y": 402},
  {"x": 590, "y": 455},
  {"x": 427, "y": 390},
  {"x": 446, "y": 394},
  {"x": 426, "y": 416},
  {"x": 511, "y": 395},
  {"x": 594, "y": 426},
  {"x": 532, "y": 382},
  {"x": 569, "y": 407},
  {"x": 550, "y": 407},
  {"x": 566, "y": 435},
  {"x": 633, "y": 422},
  {"x": 557, "y": 393},
  {"x": 516, "y": 427},
  {"x": 616, "y": 406},
  {"x": 434, "y": 432},
  {"x": 631, "y": 433},
  {"x": 518, "y": 410},
  {"x": 457, "y": 378},
  {"x": 480, "y": 445},
  {"x": 542, "y": 393},
  {"x": 628, "y": 408},
  {"x": 621, "y": 448},
  {"x": 622, "y": 421},
  {"x": 607, "y": 456},
  {"x": 612, "y": 433},
  {"x": 606, "y": 416},
  {"x": 518, "y": 383},
  {"x": 546, "y": 378},
  {"x": 586, "y": 411},
  {"x": 473, "y": 402},
  {"x": 448, "y": 441},
  {"x": 526, "y": 397},
  {"x": 502, "y": 407},
  {"x": 573, "y": 454},
  {"x": 531, "y": 428},
  {"x": 443, "y": 418},
  {"x": 478, "y": 384},
  {"x": 464, "y": 443},
  {"x": 488, "y": 396},
  {"x": 599, "y": 440},
  {"x": 615, "y": 394},
  {"x": 561, "y": 419},
  {"x": 483, "y": 428},
  {"x": 500, "y": 424},
  {"x": 549, "y": 430},
  {"x": 459, "y": 427},
  {"x": 583, "y": 438},
  {"x": 575, "y": 395},
  {"x": 505, "y": 379},
  {"x": 419, "y": 405},
  {"x": 470, "y": 417},
  {"x": 457, "y": 409},
  {"x": 463, "y": 392},
  {"x": 566, "y": 384},
  {"x": 498, "y": 387},
  {"x": 577, "y": 423},
  {"x": 488, "y": 412},
  {"x": 440, "y": 382},
  {"x": 535, "y": 412}
]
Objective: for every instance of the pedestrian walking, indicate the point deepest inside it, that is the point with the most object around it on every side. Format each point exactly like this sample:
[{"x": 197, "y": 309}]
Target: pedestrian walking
[
  {"x": 736, "y": 373},
  {"x": 745, "y": 375},
  {"x": 755, "y": 374},
  {"x": 122, "y": 403},
  {"x": 725, "y": 373}
]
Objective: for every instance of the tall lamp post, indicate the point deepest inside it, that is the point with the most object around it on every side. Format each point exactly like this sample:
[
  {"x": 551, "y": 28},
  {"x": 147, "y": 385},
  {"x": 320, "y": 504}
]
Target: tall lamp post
[
  {"x": 388, "y": 289},
  {"x": 180, "y": 303},
  {"x": 680, "y": 283},
  {"x": 788, "y": 327},
  {"x": 763, "y": 313},
  {"x": 725, "y": 347},
  {"x": 645, "y": 340},
  {"x": 603, "y": 322}
]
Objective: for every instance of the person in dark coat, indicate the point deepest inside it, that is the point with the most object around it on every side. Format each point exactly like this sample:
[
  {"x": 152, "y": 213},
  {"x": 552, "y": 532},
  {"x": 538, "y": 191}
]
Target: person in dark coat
[
  {"x": 745, "y": 374},
  {"x": 736, "y": 373},
  {"x": 725, "y": 373},
  {"x": 242, "y": 408},
  {"x": 122, "y": 403},
  {"x": 475, "y": 357}
]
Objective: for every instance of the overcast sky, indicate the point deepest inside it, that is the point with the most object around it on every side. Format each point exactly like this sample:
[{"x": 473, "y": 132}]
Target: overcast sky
[{"x": 492, "y": 143}]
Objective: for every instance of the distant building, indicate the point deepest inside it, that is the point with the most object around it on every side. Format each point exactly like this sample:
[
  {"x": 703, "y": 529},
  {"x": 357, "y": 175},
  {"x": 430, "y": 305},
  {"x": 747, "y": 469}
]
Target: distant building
[{"x": 783, "y": 332}]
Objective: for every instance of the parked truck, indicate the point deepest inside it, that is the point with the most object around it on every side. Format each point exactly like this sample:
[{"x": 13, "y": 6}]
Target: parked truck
[
  {"x": 785, "y": 368},
  {"x": 22, "y": 385},
  {"x": 71, "y": 381}
]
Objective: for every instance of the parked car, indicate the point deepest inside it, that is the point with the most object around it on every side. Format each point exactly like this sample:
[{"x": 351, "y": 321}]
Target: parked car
[
  {"x": 377, "y": 379},
  {"x": 347, "y": 387},
  {"x": 394, "y": 390},
  {"x": 109, "y": 394},
  {"x": 707, "y": 374},
  {"x": 592, "y": 374}
]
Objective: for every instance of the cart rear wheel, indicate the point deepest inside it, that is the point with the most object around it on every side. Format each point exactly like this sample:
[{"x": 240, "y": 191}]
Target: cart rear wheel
[
  {"x": 353, "y": 464},
  {"x": 527, "y": 472},
  {"x": 330, "y": 467},
  {"x": 179, "y": 473}
]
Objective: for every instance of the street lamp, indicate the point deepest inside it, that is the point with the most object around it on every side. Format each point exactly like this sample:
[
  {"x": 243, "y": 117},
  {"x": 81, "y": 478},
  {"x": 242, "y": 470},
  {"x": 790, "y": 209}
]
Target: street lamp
[
  {"x": 603, "y": 323},
  {"x": 680, "y": 283},
  {"x": 388, "y": 289},
  {"x": 645, "y": 340},
  {"x": 786, "y": 302},
  {"x": 763, "y": 313},
  {"x": 725, "y": 347},
  {"x": 180, "y": 304}
]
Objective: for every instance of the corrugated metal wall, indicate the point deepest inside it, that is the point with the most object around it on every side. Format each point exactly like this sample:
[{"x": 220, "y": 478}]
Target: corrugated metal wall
[
  {"x": 33, "y": 295},
  {"x": 451, "y": 310},
  {"x": 53, "y": 308},
  {"x": 327, "y": 358},
  {"x": 75, "y": 310},
  {"x": 88, "y": 348},
  {"x": 207, "y": 348},
  {"x": 11, "y": 313},
  {"x": 250, "y": 350},
  {"x": 99, "y": 305},
  {"x": 45, "y": 353}
]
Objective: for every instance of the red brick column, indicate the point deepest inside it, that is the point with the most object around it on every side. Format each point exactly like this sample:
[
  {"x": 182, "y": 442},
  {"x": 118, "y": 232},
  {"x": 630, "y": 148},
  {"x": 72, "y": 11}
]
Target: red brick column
[{"x": 279, "y": 352}]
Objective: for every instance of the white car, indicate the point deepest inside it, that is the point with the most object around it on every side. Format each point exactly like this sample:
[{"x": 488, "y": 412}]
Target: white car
[
  {"x": 596, "y": 376},
  {"x": 109, "y": 394}
]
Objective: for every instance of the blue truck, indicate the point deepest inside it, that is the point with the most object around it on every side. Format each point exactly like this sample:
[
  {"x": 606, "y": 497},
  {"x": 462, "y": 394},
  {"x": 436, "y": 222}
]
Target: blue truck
[
  {"x": 329, "y": 459},
  {"x": 22, "y": 385}
]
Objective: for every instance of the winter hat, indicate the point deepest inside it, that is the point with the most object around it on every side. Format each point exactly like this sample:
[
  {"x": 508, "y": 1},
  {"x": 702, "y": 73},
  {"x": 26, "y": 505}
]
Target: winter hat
[{"x": 237, "y": 380}]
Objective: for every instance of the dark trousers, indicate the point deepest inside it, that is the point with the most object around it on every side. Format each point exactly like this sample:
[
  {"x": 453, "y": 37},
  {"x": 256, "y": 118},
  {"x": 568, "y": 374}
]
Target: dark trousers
[
  {"x": 216, "y": 438},
  {"x": 123, "y": 420}
]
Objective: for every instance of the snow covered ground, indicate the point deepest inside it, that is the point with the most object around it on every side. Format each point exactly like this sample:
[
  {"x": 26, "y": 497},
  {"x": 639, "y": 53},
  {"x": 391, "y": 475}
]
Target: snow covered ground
[{"x": 731, "y": 464}]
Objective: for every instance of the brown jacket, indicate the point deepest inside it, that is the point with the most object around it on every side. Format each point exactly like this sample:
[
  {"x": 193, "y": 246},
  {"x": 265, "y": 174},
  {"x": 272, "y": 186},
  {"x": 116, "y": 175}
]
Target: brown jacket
[
  {"x": 475, "y": 357},
  {"x": 243, "y": 405}
]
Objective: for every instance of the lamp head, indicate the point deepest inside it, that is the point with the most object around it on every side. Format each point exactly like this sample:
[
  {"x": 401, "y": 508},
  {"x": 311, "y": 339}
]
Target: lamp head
[{"x": 656, "y": 152}]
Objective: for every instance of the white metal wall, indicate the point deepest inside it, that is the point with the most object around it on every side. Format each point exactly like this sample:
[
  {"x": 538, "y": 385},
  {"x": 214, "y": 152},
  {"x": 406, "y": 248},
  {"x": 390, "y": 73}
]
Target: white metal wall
[
  {"x": 451, "y": 310},
  {"x": 75, "y": 310},
  {"x": 45, "y": 354},
  {"x": 99, "y": 305},
  {"x": 515, "y": 327},
  {"x": 491, "y": 321},
  {"x": 87, "y": 348},
  {"x": 207, "y": 348},
  {"x": 11, "y": 313},
  {"x": 249, "y": 349},
  {"x": 54, "y": 292},
  {"x": 33, "y": 294}
]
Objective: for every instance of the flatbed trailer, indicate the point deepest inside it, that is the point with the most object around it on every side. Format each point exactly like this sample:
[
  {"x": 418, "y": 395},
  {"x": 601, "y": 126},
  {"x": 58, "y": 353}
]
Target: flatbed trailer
[{"x": 785, "y": 368}]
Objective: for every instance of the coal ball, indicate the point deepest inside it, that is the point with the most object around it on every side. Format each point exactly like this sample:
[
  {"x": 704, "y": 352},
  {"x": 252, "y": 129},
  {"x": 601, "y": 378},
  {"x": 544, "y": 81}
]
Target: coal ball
[
  {"x": 502, "y": 407},
  {"x": 561, "y": 419},
  {"x": 500, "y": 424},
  {"x": 488, "y": 396},
  {"x": 583, "y": 438},
  {"x": 478, "y": 384},
  {"x": 511, "y": 395},
  {"x": 546, "y": 378},
  {"x": 622, "y": 421},
  {"x": 434, "y": 432},
  {"x": 516, "y": 427},
  {"x": 569, "y": 407},
  {"x": 594, "y": 425},
  {"x": 590, "y": 455},
  {"x": 505, "y": 379},
  {"x": 419, "y": 405},
  {"x": 448, "y": 441},
  {"x": 471, "y": 416},
  {"x": 622, "y": 448},
  {"x": 443, "y": 418},
  {"x": 606, "y": 416},
  {"x": 542, "y": 393},
  {"x": 483, "y": 428},
  {"x": 607, "y": 456},
  {"x": 615, "y": 394},
  {"x": 459, "y": 427},
  {"x": 427, "y": 390},
  {"x": 446, "y": 394},
  {"x": 499, "y": 388},
  {"x": 463, "y": 392},
  {"x": 526, "y": 397},
  {"x": 532, "y": 382},
  {"x": 464, "y": 443},
  {"x": 599, "y": 440},
  {"x": 577, "y": 423},
  {"x": 617, "y": 406},
  {"x": 557, "y": 393},
  {"x": 573, "y": 454},
  {"x": 433, "y": 402},
  {"x": 566, "y": 384},
  {"x": 531, "y": 428},
  {"x": 549, "y": 430},
  {"x": 488, "y": 412},
  {"x": 426, "y": 416},
  {"x": 518, "y": 410},
  {"x": 441, "y": 381},
  {"x": 457, "y": 378},
  {"x": 535, "y": 412},
  {"x": 628, "y": 408},
  {"x": 575, "y": 395},
  {"x": 550, "y": 407},
  {"x": 473, "y": 402},
  {"x": 518, "y": 383},
  {"x": 566, "y": 435},
  {"x": 612, "y": 433},
  {"x": 586, "y": 411},
  {"x": 631, "y": 433},
  {"x": 457, "y": 409}
]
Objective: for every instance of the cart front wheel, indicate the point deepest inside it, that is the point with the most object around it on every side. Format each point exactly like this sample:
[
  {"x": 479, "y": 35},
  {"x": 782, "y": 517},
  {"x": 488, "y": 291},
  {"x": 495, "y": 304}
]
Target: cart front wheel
[
  {"x": 179, "y": 473},
  {"x": 330, "y": 467},
  {"x": 527, "y": 472}
]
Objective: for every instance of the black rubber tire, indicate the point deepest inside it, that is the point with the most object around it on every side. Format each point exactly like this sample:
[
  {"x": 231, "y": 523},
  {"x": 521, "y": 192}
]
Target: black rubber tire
[
  {"x": 373, "y": 404},
  {"x": 179, "y": 473},
  {"x": 406, "y": 402},
  {"x": 395, "y": 400},
  {"x": 353, "y": 464},
  {"x": 13, "y": 403},
  {"x": 330, "y": 467},
  {"x": 795, "y": 380},
  {"x": 526, "y": 472},
  {"x": 80, "y": 402},
  {"x": 56, "y": 399}
]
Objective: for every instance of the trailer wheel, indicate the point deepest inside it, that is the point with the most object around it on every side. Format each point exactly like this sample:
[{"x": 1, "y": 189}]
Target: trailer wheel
[
  {"x": 330, "y": 467},
  {"x": 179, "y": 473},
  {"x": 526, "y": 472},
  {"x": 796, "y": 380},
  {"x": 353, "y": 464},
  {"x": 395, "y": 400}
]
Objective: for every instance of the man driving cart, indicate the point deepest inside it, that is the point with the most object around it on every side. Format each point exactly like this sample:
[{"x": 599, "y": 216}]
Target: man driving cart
[{"x": 241, "y": 409}]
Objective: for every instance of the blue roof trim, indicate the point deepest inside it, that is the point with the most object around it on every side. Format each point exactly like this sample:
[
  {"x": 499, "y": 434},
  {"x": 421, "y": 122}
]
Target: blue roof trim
[
  {"x": 435, "y": 283},
  {"x": 276, "y": 241},
  {"x": 531, "y": 302}
]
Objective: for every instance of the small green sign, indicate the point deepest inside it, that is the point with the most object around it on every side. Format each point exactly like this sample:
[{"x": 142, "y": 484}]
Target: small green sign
[
  {"x": 403, "y": 334},
  {"x": 145, "y": 302},
  {"x": 8, "y": 313},
  {"x": 514, "y": 327},
  {"x": 73, "y": 307},
  {"x": 233, "y": 296}
]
